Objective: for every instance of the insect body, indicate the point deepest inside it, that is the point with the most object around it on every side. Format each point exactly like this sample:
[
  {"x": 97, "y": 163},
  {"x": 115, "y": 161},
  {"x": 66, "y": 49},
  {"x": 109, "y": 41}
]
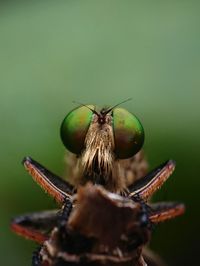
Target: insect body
[{"x": 102, "y": 150}]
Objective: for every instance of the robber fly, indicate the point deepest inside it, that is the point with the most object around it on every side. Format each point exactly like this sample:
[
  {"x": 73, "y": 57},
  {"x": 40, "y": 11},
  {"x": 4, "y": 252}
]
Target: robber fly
[{"x": 103, "y": 149}]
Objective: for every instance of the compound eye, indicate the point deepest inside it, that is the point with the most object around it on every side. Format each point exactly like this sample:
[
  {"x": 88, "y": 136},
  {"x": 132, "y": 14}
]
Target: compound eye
[
  {"x": 128, "y": 133},
  {"x": 74, "y": 128}
]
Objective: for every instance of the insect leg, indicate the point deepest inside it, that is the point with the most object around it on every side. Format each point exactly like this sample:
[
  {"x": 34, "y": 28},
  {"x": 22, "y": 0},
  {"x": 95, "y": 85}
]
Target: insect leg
[
  {"x": 64, "y": 213},
  {"x": 146, "y": 186},
  {"x": 35, "y": 226},
  {"x": 52, "y": 184},
  {"x": 163, "y": 211}
]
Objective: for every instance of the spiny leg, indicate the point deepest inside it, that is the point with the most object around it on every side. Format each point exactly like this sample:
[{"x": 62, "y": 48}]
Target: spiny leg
[
  {"x": 35, "y": 226},
  {"x": 160, "y": 212},
  {"x": 51, "y": 183},
  {"x": 163, "y": 211},
  {"x": 64, "y": 213},
  {"x": 145, "y": 187}
]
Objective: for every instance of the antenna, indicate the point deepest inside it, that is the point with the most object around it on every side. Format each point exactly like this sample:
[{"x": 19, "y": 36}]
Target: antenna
[
  {"x": 110, "y": 109},
  {"x": 95, "y": 112}
]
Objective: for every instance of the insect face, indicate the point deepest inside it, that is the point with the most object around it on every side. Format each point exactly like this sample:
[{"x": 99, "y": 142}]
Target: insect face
[{"x": 126, "y": 128}]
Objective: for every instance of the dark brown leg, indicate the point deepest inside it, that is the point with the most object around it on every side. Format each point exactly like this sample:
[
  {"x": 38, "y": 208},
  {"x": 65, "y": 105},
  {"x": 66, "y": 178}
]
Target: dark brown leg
[
  {"x": 146, "y": 186},
  {"x": 51, "y": 183}
]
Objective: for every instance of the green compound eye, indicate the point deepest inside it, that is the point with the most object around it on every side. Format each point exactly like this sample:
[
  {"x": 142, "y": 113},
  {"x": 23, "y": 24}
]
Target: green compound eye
[
  {"x": 128, "y": 133},
  {"x": 74, "y": 128}
]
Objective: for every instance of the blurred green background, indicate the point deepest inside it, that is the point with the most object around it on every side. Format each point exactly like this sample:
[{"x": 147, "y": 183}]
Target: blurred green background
[{"x": 100, "y": 52}]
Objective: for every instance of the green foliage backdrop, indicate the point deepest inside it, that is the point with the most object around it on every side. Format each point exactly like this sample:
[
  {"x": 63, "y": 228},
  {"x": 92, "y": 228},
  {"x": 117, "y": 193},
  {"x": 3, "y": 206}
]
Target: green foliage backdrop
[{"x": 101, "y": 52}]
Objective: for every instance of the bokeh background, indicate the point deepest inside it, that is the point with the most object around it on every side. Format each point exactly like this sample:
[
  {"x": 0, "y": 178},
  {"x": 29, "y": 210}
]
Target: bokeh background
[{"x": 101, "y": 52}]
